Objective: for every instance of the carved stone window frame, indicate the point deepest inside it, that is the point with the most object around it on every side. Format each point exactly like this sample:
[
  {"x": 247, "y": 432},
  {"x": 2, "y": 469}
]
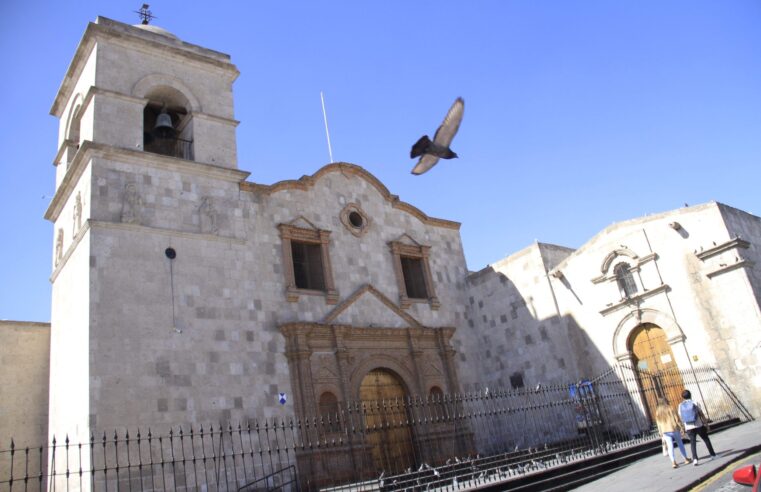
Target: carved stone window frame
[
  {"x": 319, "y": 237},
  {"x": 399, "y": 250}
]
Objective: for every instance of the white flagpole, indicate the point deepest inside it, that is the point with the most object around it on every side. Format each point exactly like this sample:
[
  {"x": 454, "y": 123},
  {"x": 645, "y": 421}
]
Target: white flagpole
[{"x": 327, "y": 132}]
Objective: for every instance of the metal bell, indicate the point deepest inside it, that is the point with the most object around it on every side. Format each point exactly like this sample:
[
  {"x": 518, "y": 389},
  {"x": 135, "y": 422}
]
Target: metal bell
[{"x": 163, "y": 127}]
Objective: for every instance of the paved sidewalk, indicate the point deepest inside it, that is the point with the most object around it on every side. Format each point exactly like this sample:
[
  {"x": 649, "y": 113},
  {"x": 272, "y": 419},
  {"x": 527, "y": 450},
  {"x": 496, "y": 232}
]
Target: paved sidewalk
[{"x": 654, "y": 473}]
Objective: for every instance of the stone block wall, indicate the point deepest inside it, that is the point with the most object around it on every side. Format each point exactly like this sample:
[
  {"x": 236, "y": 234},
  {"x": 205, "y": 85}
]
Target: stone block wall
[
  {"x": 196, "y": 338},
  {"x": 24, "y": 357},
  {"x": 694, "y": 279},
  {"x": 514, "y": 333}
]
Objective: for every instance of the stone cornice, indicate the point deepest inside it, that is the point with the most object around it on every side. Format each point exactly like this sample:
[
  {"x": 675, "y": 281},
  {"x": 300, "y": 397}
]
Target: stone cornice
[
  {"x": 107, "y": 29},
  {"x": 215, "y": 119},
  {"x": 69, "y": 182},
  {"x": 66, "y": 143},
  {"x": 634, "y": 300},
  {"x": 740, "y": 263},
  {"x": 97, "y": 91},
  {"x": 89, "y": 150},
  {"x": 306, "y": 182},
  {"x": 328, "y": 331},
  {"x": 679, "y": 337},
  {"x": 721, "y": 248}
]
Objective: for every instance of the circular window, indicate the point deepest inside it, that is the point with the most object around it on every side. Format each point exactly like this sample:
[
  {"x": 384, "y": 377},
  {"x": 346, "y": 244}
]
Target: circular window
[{"x": 356, "y": 219}]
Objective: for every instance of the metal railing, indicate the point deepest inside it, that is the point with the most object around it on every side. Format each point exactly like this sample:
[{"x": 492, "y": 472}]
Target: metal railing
[
  {"x": 451, "y": 441},
  {"x": 173, "y": 147}
]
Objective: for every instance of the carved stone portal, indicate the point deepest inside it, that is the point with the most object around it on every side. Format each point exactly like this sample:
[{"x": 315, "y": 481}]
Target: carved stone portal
[
  {"x": 340, "y": 356},
  {"x": 365, "y": 378}
]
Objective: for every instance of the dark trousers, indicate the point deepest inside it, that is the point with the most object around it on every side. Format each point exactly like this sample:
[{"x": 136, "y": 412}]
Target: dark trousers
[{"x": 703, "y": 433}]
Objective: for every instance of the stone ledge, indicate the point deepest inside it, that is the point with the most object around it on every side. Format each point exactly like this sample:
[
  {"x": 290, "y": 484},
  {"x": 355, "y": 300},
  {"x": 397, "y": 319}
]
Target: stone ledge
[
  {"x": 636, "y": 299},
  {"x": 728, "y": 268},
  {"x": 89, "y": 150},
  {"x": 725, "y": 246}
]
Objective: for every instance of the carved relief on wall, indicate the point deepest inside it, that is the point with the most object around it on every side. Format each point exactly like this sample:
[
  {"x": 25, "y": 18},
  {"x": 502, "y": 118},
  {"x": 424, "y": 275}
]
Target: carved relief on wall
[
  {"x": 208, "y": 217},
  {"x": 132, "y": 205},
  {"x": 432, "y": 368},
  {"x": 59, "y": 247},
  {"x": 77, "y": 214},
  {"x": 324, "y": 368}
]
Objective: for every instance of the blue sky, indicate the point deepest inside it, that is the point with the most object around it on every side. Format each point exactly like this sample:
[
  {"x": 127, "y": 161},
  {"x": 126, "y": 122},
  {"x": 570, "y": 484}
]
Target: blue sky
[{"x": 578, "y": 113}]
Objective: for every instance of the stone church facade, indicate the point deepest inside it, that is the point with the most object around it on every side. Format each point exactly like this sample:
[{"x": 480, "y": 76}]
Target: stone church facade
[
  {"x": 183, "y": 293},
  {"x": 670, "y": 291}
]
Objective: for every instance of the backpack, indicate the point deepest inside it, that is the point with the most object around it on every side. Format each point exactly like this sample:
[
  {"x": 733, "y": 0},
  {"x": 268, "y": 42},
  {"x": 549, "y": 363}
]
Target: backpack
[{"x": 688, "y": 411}]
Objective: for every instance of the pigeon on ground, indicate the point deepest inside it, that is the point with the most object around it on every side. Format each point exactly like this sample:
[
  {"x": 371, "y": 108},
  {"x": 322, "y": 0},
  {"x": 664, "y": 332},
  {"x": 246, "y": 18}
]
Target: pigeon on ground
[{"x": 432, "y": 151}]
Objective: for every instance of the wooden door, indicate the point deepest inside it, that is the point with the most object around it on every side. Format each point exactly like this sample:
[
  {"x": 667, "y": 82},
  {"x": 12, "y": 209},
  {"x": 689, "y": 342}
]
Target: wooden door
[
  {"x": 388, "y": 432},
  {"x": 656, "y": 368}
]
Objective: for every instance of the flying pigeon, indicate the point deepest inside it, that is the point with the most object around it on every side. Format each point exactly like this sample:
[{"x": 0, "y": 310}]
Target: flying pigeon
[{"x": 432, "y": 151}]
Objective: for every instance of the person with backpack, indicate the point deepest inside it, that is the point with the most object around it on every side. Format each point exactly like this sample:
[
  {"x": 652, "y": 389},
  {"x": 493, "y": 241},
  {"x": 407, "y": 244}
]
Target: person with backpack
[{"x": 696, "y": 424}]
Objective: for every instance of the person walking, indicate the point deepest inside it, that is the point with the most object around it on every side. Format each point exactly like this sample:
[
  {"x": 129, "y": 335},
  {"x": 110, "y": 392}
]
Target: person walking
[
  {"x": 669, "y": 428},
  {"x": 696, "y": 424}
]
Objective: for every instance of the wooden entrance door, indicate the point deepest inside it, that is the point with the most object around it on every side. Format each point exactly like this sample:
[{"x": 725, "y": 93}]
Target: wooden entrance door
[
  {"x": 387, "y": 426},
  {"x": 656, "y": 368}
]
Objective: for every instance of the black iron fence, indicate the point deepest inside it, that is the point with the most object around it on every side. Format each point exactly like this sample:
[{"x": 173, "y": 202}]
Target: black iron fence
[{"x": 445, "y": 441}]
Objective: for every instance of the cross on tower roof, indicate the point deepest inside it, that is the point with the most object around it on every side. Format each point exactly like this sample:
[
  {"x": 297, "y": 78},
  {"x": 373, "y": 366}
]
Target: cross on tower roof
[{"x": 145, "y": 15}]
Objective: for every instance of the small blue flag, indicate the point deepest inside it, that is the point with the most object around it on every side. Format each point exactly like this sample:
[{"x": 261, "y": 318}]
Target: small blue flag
[{"x": 282, "y": 398}]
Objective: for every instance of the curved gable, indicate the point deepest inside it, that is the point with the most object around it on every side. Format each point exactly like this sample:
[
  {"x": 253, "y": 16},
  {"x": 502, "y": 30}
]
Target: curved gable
[{"x": 307, "y": 182}]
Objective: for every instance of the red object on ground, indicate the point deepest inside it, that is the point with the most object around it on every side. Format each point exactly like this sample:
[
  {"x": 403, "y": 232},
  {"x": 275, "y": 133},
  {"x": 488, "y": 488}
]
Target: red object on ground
[{"x": 747, "y": 476}]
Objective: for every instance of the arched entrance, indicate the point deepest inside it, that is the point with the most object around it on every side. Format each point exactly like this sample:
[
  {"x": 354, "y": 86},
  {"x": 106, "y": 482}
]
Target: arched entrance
[
  {"x": 655, "y": 366},
  {"x": 388, "y": 432}
]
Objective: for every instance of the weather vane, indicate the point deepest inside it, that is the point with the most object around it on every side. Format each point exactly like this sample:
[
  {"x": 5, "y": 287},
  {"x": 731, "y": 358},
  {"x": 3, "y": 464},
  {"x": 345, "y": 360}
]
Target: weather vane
[{"x": 145, "y": 15}]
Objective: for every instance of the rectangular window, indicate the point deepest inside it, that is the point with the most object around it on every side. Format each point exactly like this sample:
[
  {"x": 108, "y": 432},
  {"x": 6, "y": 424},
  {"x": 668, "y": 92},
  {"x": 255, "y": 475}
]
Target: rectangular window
[
  {"x": 414, "y": 277},
  {"x": 307, "y": 265},
  {"x": 306, "y": 262},
  {"x": 413, "y": 274}
]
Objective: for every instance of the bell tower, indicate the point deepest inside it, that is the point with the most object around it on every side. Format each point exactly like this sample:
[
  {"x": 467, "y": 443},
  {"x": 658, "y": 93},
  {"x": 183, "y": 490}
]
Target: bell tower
[
  {"x": 141, "y": 88},
  {"x": 146, "y": 136}
]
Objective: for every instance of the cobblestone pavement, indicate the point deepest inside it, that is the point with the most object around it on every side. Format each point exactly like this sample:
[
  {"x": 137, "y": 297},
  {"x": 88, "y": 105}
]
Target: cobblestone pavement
[{"x": 654, "y": 473}]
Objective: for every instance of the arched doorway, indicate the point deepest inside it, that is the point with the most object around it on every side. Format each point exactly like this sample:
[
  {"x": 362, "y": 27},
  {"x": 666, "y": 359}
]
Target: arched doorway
[
  {"x": 655, "y": 366},
  {"x": 388, "y": 432}
]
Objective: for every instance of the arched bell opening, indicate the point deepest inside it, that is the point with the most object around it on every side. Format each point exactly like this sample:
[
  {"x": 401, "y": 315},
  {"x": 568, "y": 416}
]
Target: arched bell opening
[
  {"x": 73, "y": 135},
  {"x": 167, "y": 124}
]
